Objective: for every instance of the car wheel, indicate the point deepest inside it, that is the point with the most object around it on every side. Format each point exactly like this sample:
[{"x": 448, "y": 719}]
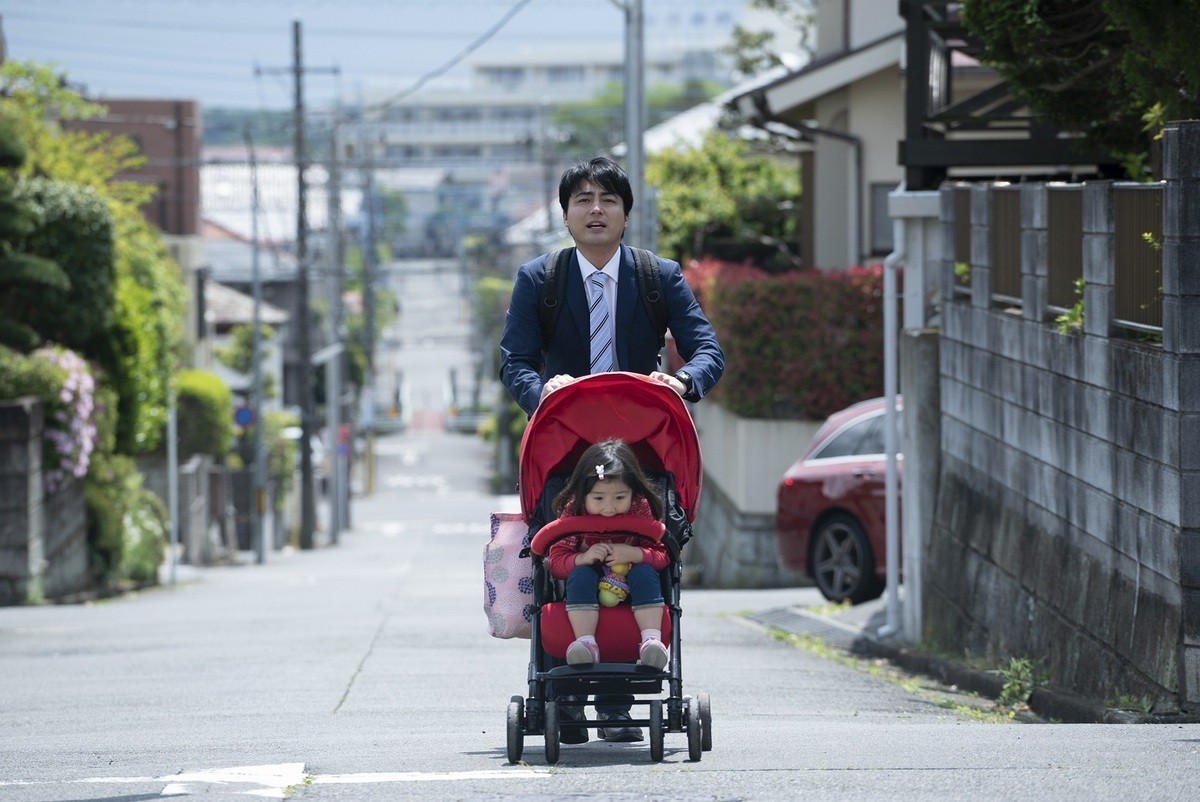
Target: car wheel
[{"x": 842, "y": 562}]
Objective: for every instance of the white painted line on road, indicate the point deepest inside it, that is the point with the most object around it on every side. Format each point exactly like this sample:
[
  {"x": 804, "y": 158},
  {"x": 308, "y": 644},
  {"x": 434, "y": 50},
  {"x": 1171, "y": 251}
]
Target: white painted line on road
[
  {"x": 428, "y": 776},
  {"x": 274, "y": 780}
]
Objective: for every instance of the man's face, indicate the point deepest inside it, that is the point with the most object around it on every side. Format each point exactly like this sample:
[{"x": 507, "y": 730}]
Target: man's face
[{"x": 594, "y": 217}]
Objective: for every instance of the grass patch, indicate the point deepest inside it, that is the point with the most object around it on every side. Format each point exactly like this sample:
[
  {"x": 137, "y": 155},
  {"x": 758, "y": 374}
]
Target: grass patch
[
  {"x": 291, "y": 789},
  {"x": 970, "y": 706}
]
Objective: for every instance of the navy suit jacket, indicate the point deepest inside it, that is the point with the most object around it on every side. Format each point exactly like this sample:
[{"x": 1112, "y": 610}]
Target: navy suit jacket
[{"x": 524, "y": 369}]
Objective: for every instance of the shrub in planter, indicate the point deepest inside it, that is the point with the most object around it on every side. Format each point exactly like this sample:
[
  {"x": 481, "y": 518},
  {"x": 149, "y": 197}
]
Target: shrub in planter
[{"x": 798, "y": 345}]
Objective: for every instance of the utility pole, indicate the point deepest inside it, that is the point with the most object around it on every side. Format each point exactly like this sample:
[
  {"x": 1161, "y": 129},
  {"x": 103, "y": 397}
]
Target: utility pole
[
  {"x": 259, "y": 472},
  {"x": 635, "y": 120},
  {"x": 369, "y": 265},
  {"x": 333, "y": 374},
  {"x": 300, "y": 318}
]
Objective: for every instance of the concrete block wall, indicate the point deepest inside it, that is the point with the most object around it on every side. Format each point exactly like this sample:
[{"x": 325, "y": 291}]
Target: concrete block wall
[
  {"x": 744, "y": 459},
  {"x": 64, "y": 541},
  {"x": 43, "y": 538},
  {"x": 1069, "y": 495}
]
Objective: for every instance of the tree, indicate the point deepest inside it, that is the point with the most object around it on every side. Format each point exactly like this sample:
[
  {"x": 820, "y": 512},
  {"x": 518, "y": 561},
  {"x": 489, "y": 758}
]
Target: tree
[
  {"x": 239, "y": 353},
  {"x": 753, "y": 52},
  {"x": 141, "y": 341},
  {"x": 718, "y": 196},
  {"x": 22, "y": 274},
  {"x": 1108, "y": 69}
]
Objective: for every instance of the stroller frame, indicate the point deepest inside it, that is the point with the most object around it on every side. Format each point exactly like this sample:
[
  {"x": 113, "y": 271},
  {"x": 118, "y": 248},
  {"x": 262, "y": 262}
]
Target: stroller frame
[{"x": 556, "y": 689}]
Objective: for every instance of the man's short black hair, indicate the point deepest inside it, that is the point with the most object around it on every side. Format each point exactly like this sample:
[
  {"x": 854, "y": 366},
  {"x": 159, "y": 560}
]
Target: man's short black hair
[{"x": 601, "y": 171}]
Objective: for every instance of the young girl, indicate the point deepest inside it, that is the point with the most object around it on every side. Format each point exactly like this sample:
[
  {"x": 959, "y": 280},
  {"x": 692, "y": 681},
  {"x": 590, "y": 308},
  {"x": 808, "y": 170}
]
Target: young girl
[{"x": 609, "y": 481}]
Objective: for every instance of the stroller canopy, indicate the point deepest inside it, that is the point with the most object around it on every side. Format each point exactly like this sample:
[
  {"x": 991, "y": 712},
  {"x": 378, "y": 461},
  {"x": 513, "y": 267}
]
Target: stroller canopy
[{"x": 644, "y": 413}]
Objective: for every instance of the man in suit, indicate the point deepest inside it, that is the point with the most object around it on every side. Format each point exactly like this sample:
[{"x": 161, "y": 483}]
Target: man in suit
[
  {"x": 594, "y": 334},
  {"x": 596, "y": 198}
]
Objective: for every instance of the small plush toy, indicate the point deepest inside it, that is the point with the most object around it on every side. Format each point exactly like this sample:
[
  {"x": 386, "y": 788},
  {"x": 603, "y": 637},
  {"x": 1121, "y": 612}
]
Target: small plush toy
[{"x": 613, "y": 587}]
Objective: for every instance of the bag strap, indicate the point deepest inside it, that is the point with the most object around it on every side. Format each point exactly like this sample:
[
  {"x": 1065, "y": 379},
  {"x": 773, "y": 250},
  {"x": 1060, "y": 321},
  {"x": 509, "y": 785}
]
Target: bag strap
[
  {"x": 554, "y": 293},
  {"x": 650, "y": 288}
]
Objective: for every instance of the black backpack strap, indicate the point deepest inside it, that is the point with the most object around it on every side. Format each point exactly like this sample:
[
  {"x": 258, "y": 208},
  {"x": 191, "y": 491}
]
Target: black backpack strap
[
  {"x": 554, "y": 293},
  {"x": 650, "y": 288}
]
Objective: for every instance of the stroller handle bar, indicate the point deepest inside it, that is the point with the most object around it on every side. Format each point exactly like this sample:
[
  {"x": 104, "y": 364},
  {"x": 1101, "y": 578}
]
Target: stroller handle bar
[{"x": 595, "y": 524}]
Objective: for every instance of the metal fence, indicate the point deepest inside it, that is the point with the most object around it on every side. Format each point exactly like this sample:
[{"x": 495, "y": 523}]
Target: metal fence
[
  {"x": 1137, "y": 287},
  {"x": 1005, "y": 224},
  {"x": 962, "y": 232},
  {"x": 1064, "y": 244},
  {"x": 1137, "y": 242}
]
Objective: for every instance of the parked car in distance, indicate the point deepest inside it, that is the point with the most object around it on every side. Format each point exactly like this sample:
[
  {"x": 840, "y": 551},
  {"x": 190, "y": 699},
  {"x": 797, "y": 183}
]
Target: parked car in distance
[{"x": 830, "y": 519}]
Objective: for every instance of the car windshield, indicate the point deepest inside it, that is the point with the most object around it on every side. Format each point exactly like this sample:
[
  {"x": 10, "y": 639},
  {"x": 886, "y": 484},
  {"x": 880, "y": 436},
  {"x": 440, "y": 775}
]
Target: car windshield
[{"x": 861, "y": 438}]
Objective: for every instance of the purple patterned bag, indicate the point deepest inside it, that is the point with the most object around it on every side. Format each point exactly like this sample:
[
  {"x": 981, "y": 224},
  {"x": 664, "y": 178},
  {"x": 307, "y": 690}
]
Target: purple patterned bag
[{"x": 508, "y": 578}]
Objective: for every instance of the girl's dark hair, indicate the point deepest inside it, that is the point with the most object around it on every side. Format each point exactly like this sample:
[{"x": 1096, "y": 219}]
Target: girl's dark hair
[
  {"x": 601, "y": 171},
  {"x": 619, "y": 463}
]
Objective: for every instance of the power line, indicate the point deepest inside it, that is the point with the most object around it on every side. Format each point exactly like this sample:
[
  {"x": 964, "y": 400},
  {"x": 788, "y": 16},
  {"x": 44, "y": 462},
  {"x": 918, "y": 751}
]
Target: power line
[{"x": 512, "y": 12}]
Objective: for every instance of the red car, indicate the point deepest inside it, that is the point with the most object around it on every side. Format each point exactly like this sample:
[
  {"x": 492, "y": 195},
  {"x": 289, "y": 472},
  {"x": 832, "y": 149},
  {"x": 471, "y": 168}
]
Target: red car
[{"x": 830, "y": 517}]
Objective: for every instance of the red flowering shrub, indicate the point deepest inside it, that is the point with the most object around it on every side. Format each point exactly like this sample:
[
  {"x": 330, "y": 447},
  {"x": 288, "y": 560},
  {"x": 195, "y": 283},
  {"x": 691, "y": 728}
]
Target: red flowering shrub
[{"x": 798, "y": 345}]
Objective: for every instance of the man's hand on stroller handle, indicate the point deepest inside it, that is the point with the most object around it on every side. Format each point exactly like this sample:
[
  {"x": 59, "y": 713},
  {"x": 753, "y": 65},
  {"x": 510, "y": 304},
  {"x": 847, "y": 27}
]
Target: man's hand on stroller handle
[
  {"x": 554, "y": 383},
  {"x": 563, "y": 379},
  {"x": 669, "y": 380}
]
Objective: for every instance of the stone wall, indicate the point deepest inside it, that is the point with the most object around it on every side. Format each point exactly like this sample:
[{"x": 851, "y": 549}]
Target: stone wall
[{"x": 1067, "y": 526}]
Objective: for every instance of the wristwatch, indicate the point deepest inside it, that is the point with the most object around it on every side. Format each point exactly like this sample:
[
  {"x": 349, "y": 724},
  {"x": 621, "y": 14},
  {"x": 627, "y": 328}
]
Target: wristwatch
[{"x": 688, "y": 384}]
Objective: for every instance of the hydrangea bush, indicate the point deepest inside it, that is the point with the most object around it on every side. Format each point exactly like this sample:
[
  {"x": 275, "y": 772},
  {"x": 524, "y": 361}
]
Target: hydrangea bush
[
  {"x": 70, "y": 429},
  {"x": 64, "y": 383}
]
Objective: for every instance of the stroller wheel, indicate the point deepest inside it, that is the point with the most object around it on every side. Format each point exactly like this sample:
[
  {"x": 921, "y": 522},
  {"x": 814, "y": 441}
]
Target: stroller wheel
[
  {"x": 694, "y": 729},
  {"x": 516, "y": 729},
  {"x": 656, "y": 731},
  {"x": 552, "y": 733},
  {"x": 705, "y": 722}
]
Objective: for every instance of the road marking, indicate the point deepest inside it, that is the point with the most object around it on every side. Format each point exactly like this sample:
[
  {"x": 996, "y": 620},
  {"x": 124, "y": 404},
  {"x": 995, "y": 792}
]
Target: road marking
[
  {"x": 273, "y": 781},
  {"x": 427, "y": 776}
]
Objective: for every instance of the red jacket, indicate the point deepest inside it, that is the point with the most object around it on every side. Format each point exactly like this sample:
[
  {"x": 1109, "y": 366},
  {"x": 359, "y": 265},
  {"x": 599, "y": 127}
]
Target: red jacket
[{"x": 561, "y": 556}]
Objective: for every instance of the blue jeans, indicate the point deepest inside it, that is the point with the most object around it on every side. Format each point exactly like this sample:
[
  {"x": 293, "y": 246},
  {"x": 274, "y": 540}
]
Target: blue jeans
[{"x": 645, "y": 589}]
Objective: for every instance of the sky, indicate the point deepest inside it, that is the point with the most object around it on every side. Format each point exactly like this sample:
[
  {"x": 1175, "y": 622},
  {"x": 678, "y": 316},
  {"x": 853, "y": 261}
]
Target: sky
[{"x": 208, "y": 50}]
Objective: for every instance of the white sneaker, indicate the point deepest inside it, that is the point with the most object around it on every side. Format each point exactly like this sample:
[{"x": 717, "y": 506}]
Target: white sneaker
[
  {"x": 581, "y": 653},
  {"x": 653, "y": 654}
]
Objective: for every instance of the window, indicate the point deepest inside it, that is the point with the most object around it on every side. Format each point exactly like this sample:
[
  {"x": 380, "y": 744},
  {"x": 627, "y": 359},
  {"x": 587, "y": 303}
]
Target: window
[
  {"x": 862, "y": 438},
  {"x": 503, "y": 76},
  {"x": 881, "y": 224},
  {"x": 565, "y": 75}
]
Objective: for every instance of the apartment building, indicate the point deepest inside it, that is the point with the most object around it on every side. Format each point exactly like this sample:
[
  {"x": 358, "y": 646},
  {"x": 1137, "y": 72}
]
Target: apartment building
[{"x": 493, "y": 139}]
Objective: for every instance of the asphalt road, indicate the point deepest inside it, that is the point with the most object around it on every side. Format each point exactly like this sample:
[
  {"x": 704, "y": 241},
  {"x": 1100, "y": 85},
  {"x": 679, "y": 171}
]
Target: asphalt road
[{"x": 364, "y": 671}]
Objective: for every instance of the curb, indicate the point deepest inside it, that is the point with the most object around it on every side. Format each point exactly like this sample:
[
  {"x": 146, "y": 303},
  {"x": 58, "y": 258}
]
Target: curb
[{"x": 1048, "y": 702}]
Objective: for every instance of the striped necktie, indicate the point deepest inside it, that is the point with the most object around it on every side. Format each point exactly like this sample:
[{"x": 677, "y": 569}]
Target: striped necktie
[{"x": 601, "y": 330}]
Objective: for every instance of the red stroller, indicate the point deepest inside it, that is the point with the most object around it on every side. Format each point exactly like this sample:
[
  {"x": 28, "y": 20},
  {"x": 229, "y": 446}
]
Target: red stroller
[{"x": 656, "y": 424}]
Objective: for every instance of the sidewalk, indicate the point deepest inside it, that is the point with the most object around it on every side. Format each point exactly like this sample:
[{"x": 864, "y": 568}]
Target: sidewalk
[{"x": 855, "y": 630}]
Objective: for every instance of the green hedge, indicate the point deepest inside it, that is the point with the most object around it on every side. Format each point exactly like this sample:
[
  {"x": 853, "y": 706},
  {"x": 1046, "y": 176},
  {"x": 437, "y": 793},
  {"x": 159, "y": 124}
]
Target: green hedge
[
  {"x": 204, "y": 407},
  {"x": 798, "y": 345}
]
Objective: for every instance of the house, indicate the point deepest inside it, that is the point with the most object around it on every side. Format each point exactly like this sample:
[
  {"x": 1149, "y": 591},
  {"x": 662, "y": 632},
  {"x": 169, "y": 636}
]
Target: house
[
  {"x": 847, "y": 106},
  {"x": 229, "y": 264},
  {"x": 227, "y": 308}
]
